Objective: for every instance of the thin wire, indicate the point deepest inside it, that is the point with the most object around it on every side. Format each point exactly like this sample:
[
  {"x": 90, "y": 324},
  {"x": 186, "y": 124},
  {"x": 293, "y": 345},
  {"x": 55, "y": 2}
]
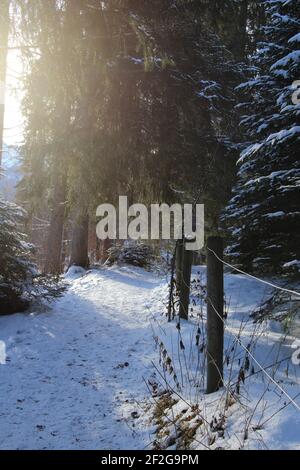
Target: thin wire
[
  {"x": 254, "y": 277},
  {"x": 255, "y": 360},
  {"x": 13, "y": 127}
]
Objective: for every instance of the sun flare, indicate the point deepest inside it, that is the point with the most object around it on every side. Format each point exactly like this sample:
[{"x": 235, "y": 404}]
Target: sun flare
[{"x": 13, "y": 121}]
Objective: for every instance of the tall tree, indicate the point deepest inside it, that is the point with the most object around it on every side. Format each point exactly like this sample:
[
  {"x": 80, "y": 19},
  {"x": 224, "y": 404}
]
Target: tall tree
[
  {"x": 48, "y": 107},
  {"x": 139, "y": 101},
  {"x": 20, "y": 282},
  {"x": 193, "y": 97},
  {"x": 53, "y": 261},
  {"x": 263, "y": 216},
  {"x": 4, "y": 30}
]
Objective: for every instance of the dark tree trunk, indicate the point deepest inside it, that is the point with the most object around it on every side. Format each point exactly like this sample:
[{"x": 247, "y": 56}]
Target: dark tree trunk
[
  {"x": 172, "y": 281},
  {"x": 98, "y": 250},
  {"x": 179, "y": 258},
  {"x": 184, "y": 295},
  {"x": 80, "y": 235},
  {"x": 105, "y": 246},
  {"x": 4, "y": 28},
  {"x": 243, "y": 23},
  {"x": 53, "y": 263},
  {"x": 92, "y": 243},
  {"x": 215, "y": 314}
]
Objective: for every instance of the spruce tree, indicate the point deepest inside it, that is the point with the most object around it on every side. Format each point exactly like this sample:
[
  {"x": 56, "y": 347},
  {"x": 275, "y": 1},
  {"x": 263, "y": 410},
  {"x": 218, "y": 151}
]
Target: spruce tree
[
  {"x": 20, "y": 281},
  {"x": 4, "y": 30},
  {"x": 136, "y": 100},
  {"x": 263, "y": 215},
  {"x": 191, "y": 94}
]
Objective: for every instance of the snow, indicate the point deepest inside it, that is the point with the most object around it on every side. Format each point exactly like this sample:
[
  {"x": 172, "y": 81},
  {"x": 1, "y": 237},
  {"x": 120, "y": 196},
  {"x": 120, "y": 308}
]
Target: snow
[
  {"x": 283, "y": 18},
  {"x": 261, "y": 416},
  {"x": 273, "y": 215},
  {"x": 284, "y": 134},
  {"x": 76, "y": 374},
  {"x": 248, "y": 151},
  {"x": 281, "y": 73},
  {"x": 282, "y": 174},
  {"x": 75, "y": 272},
  {"x": 295, "y": 38},
  {"x": 294, "y": 263},
  {"x": 272, "y": 139},
  {"x": 293, "y": 56},
  {"x": 11, "y": 173}
]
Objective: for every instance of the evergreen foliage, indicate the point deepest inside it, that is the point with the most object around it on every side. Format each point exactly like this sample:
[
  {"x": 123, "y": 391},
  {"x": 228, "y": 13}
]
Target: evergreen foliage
[
  {"x": 132, "y": 252},
  {"x": 20, "y": 282},
  {"x": 139, "y": 98},
  {"x": 263, "y": 215}
]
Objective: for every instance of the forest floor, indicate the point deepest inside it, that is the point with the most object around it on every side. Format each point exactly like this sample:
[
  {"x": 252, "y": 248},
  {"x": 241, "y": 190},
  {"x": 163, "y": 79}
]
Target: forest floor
[
  {"x": 77, "y": 375},
  {"x": 74, "y": 374}
]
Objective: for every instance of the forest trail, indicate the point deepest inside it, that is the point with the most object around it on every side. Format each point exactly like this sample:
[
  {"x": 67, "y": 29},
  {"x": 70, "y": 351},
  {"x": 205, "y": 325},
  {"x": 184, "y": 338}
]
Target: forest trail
[{"x": 74, "y": 375}]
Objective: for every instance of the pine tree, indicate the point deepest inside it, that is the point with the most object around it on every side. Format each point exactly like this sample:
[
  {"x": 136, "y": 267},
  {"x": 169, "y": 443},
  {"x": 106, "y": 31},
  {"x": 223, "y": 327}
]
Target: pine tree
[
  {"x": 4, "y": 30},
  {"x": 20, "y": 282},
  {"x": 49, "y": 107},
  {"x": 263, "y": 215},
  {"x": 191, "y": 94},
  {"x": 53, "y": 262},
  {"x": 136, "y": 100}
]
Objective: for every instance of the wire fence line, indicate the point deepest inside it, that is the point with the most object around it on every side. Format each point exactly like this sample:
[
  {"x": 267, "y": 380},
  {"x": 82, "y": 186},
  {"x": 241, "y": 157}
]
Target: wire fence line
[
  {"x": 263, "y": 281},
  {"x": 263, "y": 369},
  {"x": 238, "y": 339}
]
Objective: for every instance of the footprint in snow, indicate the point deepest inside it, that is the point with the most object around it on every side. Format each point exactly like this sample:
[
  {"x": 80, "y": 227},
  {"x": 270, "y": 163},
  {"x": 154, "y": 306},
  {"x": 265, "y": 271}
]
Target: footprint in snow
[
  {"x": 122, "y": 366},
  {"x": 40, "y": 427}
]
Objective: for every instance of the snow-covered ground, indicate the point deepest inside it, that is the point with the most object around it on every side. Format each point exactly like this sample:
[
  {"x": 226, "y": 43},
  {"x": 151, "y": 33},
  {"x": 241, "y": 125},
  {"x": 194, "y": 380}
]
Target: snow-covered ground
[
  {"x": 77, "y": 375},
  {"x": 256, "y": 409},
  {"x": 11, "y": 173},
  {"x": 74, "y": 375}
]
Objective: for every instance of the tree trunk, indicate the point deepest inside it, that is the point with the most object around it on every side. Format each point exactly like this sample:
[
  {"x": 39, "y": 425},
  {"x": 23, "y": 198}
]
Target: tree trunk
[
  {"x": 92, "y": 243},
  {"x": 215, "y": 314},
  {"x": 53, "y": 263},
  {"x": 4, "y": 29},
  {"x": 105, "y": 246},
  {"x": 171, "y": 291},
  {"x": 184, "y": 295},
  {"x": 79, "y": 251},
  {"x": 98, "y": 250},
  {"x": 243, "y": 23},
  {"x": 179, "y": 258}
]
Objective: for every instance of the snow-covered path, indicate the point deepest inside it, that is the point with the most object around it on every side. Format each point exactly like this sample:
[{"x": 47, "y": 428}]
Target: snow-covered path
[{"x": 74, "y": 375}]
